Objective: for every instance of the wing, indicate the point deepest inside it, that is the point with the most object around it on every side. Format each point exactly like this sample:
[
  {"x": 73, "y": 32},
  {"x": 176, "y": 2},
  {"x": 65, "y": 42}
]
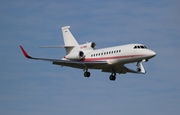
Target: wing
[
  {"x": 70, "y": 63},
  {"x": 123, "y": 69}
]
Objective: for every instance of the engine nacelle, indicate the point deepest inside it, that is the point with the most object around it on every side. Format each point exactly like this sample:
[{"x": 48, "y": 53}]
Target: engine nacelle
[
  {"x": 88, "y": 46},
  {"x": 75, "y": 56}
]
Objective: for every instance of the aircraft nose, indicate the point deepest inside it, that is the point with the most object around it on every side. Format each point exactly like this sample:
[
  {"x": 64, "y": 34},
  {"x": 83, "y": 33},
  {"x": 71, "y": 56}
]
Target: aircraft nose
[{"x": 152, "y": 53}]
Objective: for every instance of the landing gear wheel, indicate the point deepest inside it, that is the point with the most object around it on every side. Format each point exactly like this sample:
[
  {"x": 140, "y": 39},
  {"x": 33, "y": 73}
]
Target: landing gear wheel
[
  {"x": 112, "y": 77},
  {"x": 138, "y": 69},
  {"x": 87, "y": 74}
]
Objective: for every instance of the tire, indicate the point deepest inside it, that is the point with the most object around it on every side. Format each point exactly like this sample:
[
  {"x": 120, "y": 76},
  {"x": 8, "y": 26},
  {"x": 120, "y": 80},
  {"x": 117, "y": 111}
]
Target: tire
[
  {"x": 87, "y": 74},
  {"x": 112, "y": 77},
  {"x": 138, "y": 69}
]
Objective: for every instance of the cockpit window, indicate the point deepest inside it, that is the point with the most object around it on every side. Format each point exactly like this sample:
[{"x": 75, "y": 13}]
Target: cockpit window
[{"x": 140, "y": 47}]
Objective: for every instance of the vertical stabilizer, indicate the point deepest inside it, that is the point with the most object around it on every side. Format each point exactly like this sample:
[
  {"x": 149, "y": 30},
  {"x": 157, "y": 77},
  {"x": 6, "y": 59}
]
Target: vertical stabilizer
[{"x": 69, "y": 40}]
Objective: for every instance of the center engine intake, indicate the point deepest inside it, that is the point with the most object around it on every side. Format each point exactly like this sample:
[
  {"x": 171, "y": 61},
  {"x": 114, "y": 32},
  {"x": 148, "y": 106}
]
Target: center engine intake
[{"x": 88, "y": 46}]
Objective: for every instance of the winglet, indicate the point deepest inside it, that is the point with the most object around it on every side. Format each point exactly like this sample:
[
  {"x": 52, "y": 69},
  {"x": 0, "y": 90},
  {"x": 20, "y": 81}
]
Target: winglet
[{"x": 24, "y": 52}]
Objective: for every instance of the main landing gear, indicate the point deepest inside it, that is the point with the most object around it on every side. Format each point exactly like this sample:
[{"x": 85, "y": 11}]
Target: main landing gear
[
  {"x": 112, "y": 77},
  {"x": 87, "y": 74}
]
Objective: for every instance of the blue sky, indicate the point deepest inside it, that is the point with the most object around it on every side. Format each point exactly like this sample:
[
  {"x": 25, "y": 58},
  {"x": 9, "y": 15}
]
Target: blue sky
[{"x": 37, "y": 87}]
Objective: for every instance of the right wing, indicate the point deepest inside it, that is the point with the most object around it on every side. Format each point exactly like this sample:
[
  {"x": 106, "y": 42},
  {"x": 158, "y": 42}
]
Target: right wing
[
  {"x": 123, "y": 69},
  {"x": 71, "y": 63}
]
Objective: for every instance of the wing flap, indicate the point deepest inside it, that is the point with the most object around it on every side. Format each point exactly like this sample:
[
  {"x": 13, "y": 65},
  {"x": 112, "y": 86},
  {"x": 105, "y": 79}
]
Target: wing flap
[{"x": 121, "y": 69}]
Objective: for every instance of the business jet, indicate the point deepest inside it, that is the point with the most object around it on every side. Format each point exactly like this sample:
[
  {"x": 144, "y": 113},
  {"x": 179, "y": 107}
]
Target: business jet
[{"x": 111, "y": 59}]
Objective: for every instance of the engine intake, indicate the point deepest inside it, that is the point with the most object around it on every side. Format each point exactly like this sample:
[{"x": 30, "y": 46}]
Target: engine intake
[
  {"x": 75, "y": 56},
  {"x": 88, "y": 46},
  {"x": 93, "y": 45}
]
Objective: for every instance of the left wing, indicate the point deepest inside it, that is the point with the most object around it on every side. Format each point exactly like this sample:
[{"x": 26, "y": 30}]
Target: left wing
[{"x": 71, "y": 63}]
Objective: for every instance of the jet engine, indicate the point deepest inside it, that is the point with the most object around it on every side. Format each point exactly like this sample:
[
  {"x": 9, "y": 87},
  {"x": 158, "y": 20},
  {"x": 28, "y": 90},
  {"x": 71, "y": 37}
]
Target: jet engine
[
  {"x": 88, "y": 46},
  {"x": 75, "y": 56}
]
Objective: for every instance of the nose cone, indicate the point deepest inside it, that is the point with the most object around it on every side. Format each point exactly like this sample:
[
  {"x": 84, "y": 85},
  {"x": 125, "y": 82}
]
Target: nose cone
[{"x": 151, "y": 53}]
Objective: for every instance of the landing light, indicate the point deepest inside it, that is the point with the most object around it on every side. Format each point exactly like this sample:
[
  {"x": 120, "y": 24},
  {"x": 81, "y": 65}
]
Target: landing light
[{"x": 145, "y": 60}]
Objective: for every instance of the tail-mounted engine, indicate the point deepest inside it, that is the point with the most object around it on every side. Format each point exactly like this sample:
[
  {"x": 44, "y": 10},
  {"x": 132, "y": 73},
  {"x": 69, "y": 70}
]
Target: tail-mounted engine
[
  {"x": 75, "y": 56},
  {"x": 88, "y": 46}
]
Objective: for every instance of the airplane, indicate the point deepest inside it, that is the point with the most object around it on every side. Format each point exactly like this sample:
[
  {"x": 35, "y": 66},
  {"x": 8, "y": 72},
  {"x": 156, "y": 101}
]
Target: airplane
[{"x": 111, "y": 59}]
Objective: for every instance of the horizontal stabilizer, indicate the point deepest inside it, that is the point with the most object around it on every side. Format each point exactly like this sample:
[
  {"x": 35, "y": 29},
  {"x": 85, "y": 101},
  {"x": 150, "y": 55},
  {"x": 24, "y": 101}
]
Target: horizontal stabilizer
[{"x": 58, "y": 46}]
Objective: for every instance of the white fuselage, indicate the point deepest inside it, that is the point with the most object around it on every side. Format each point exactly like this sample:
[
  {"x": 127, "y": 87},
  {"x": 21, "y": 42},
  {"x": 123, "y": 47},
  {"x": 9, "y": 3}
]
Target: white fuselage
[{"x": 120, "y": 54}]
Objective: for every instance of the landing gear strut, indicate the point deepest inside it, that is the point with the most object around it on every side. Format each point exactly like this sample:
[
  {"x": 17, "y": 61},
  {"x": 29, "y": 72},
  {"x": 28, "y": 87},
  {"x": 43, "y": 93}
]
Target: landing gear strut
[{"x": 86, "y": 73}]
